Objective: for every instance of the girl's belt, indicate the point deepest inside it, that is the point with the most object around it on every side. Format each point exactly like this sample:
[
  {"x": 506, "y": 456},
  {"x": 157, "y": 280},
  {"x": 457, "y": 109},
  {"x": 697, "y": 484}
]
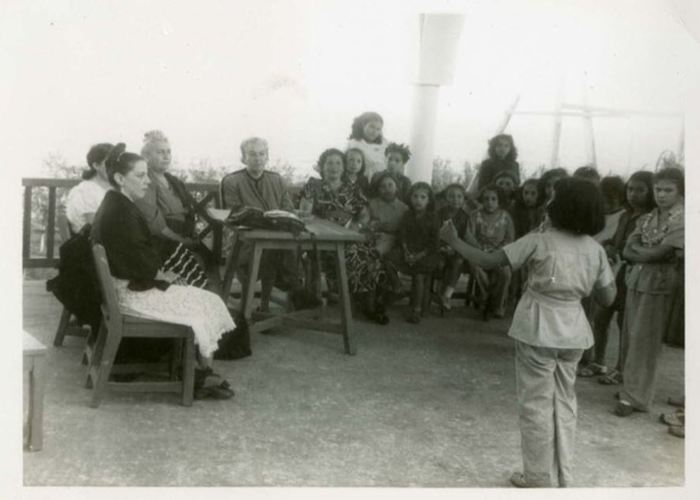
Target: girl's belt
[{"x": 551, "y": 301}]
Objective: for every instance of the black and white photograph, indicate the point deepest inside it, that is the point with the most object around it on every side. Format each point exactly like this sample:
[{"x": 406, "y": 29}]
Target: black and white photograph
[{"x": 349, "y": 247}]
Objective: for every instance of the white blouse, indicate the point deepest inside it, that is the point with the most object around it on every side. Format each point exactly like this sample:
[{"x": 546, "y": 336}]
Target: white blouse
[{"x": 84, "y": 199}]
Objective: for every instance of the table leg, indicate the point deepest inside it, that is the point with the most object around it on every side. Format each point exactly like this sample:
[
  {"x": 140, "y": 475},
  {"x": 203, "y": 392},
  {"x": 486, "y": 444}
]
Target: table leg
[
  {"x": 231, "y": 265},
  {"x": 249, "y": 292},
  {"x": 345, "y": 306},
  {"x": 36, "y": 405}
]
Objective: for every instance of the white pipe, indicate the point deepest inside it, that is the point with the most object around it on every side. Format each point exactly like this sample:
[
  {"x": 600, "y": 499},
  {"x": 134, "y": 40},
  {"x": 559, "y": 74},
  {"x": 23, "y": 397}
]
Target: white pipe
[
  {"x": 425, "y": 102},
  {"x": 438, "y": 42}
]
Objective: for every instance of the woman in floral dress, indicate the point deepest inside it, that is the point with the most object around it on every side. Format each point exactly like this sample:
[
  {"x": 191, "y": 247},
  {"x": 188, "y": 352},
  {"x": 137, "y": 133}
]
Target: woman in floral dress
[{"x": 335, "y": 200}]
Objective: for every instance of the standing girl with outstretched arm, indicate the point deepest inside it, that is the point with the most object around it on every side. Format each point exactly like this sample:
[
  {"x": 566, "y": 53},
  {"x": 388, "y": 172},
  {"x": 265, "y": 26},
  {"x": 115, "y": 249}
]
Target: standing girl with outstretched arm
[{"x": 549, "y": 326}]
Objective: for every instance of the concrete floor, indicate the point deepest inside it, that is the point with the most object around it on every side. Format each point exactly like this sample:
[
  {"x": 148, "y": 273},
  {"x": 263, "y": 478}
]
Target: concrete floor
[{"x": 429, "y": 405}]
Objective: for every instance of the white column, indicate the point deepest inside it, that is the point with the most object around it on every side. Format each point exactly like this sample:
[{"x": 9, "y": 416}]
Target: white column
[
  {"x": 438, "y": 37},
  {"x": 425, "y": 103}
]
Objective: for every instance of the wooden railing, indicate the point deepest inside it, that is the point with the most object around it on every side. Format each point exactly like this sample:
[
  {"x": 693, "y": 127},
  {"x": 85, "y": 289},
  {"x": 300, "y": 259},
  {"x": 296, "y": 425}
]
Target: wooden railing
[{"x": 47, "y": 197}]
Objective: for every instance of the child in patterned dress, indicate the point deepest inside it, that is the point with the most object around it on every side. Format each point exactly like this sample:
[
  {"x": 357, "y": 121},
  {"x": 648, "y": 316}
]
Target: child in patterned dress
[{"x": 491, "y": 227}]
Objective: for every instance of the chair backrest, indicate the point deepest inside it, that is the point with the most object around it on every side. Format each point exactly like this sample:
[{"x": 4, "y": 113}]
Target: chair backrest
[
  {"x": 64, "y": 229},
  {"x": 111, "y": 312}
]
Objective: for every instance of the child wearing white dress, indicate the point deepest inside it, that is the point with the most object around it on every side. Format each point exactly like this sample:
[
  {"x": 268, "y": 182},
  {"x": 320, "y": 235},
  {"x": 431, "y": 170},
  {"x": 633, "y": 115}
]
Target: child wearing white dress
[
  {"x": 549, "y": 326},
  {"x": 366, "y": 135},
  {"x": 84, "y": 199}
]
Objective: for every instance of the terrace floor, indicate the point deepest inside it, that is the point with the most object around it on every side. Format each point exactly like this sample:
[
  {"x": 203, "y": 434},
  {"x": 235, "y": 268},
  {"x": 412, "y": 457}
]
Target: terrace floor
[{"x": 428, "y": 405}]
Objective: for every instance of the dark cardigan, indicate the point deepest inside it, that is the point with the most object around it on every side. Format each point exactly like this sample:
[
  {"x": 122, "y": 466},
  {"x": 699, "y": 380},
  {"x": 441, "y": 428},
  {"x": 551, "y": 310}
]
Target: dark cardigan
[
  {"x": 120, "y": 227},
  {"x": 491, "y": 167}
]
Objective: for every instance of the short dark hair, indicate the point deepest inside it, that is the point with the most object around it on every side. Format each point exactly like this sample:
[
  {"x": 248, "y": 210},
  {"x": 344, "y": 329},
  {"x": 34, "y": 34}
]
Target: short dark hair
[
  {"x": 647, "y": 178},
  {"x": 519, "y": 195},
  {"x": 401, "y": 149},
  {"x": 120, "y": 161},
  {"x": 358, "y": 125},
  {"x": 324, "y": 156},
  {"x": 417, "y": 186},
  {"x": 377, "y": 180},
  {"x": 588, "y": 173},
  {"x": 544, "y": 180},
  {"x": 674, "y": 175},
  {"x": 502, "y": 196},
  {"x": 97, "y": 154},
  {"x": 577, "y": 207},
  {"x": 456, "y": 186},
  {"x": 506, "y": 173},
  {"x": 612, "y": 186}
]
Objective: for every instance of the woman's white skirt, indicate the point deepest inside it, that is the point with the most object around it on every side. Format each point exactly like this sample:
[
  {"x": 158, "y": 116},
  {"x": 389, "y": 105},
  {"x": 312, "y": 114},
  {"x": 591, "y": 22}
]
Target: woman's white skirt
[{"x": 199, "y": 309}]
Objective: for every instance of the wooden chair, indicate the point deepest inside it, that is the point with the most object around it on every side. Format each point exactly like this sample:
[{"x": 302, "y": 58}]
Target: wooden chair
[
  {"x": 115, "y": 326},
  {"x": 67, "y": 325}
]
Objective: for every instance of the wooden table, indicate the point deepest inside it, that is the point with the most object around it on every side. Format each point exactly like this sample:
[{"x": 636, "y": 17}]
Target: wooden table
[
  {"x": 326, "y": 236},
  {"x": 34, "y": 356}
]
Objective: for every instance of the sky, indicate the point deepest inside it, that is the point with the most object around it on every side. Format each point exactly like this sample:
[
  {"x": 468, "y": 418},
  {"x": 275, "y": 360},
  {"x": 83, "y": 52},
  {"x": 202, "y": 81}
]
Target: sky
[{"x": 211, "y": 73}]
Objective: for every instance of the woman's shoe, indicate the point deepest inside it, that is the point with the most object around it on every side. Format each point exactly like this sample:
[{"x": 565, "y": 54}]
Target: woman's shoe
[
  {"x": 679, "y": 402},
  {"x": 592, "y": 369},
  {"x": 414, "y": 317},
  {"x": 612, "y": 378},
  {"x": 677, "y": 430},
  {"x": 675, "y": 419},
  {"x": 623, "y": 409},
  {"x": 517, "y": 479}
]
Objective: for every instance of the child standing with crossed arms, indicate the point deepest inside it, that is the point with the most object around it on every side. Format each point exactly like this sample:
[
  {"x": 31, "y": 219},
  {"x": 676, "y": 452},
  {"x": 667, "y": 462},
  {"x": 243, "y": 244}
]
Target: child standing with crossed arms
[{"x": 549, "y": 326}]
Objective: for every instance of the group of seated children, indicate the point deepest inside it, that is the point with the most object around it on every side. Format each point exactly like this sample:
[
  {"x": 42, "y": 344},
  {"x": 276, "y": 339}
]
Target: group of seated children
[{"x": 404, "y": 218}]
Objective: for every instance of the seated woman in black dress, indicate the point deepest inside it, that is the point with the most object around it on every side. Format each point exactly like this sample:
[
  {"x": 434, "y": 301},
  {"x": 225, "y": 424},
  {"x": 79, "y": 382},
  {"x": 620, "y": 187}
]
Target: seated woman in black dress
[{"x": 143, "y": 288}]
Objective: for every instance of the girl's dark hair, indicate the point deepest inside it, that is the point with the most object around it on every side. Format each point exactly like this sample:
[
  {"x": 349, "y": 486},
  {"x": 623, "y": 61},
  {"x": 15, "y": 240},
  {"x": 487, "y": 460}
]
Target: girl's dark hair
[
  {"x": 362, "y": 155},
  {"x": 674, "y": 175},
  {"x": 502, "y": 196},
  {"x": 648, "y": 179},
  {"x": 519, "y": 193},
  {"x": 506, "y": 173},
  {"x": 401, "y": 149},
  {"x": 456, "y": 186},
  {"x": 377, "y": 180},
  {"x": 120, "y": 161},
  {"x": 612, "y": 186},
  {"x": 588, "y": 173},
  {"x": 544, "y": 180},
  {"x": 358, "y": 124},
  {"x": 324, "y": 156},
  {"x": 97, "y": 154},
  {"x": 512, "y": 154},
  {"x": 577, "y": 207},
  {"x": 417, "y": 186}
]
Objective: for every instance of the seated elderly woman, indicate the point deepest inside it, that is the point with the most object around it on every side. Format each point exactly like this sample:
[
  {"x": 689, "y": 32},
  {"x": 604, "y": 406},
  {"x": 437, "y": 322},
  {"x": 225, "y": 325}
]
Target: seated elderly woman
[
  {"x": 143, "y": 288},
  {"x": 84, "y": 199},
  {"x": 169, "y": 210},
  {"x": 334, "y": 199}
]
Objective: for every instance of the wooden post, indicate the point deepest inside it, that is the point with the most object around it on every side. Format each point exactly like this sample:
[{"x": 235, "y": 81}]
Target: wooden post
[
  {"x": 681, "y": 143},
  {"x": 588, "y": 117},
  {"x": 507, "y": 116},
  {"x": 556, "y": 132}
]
